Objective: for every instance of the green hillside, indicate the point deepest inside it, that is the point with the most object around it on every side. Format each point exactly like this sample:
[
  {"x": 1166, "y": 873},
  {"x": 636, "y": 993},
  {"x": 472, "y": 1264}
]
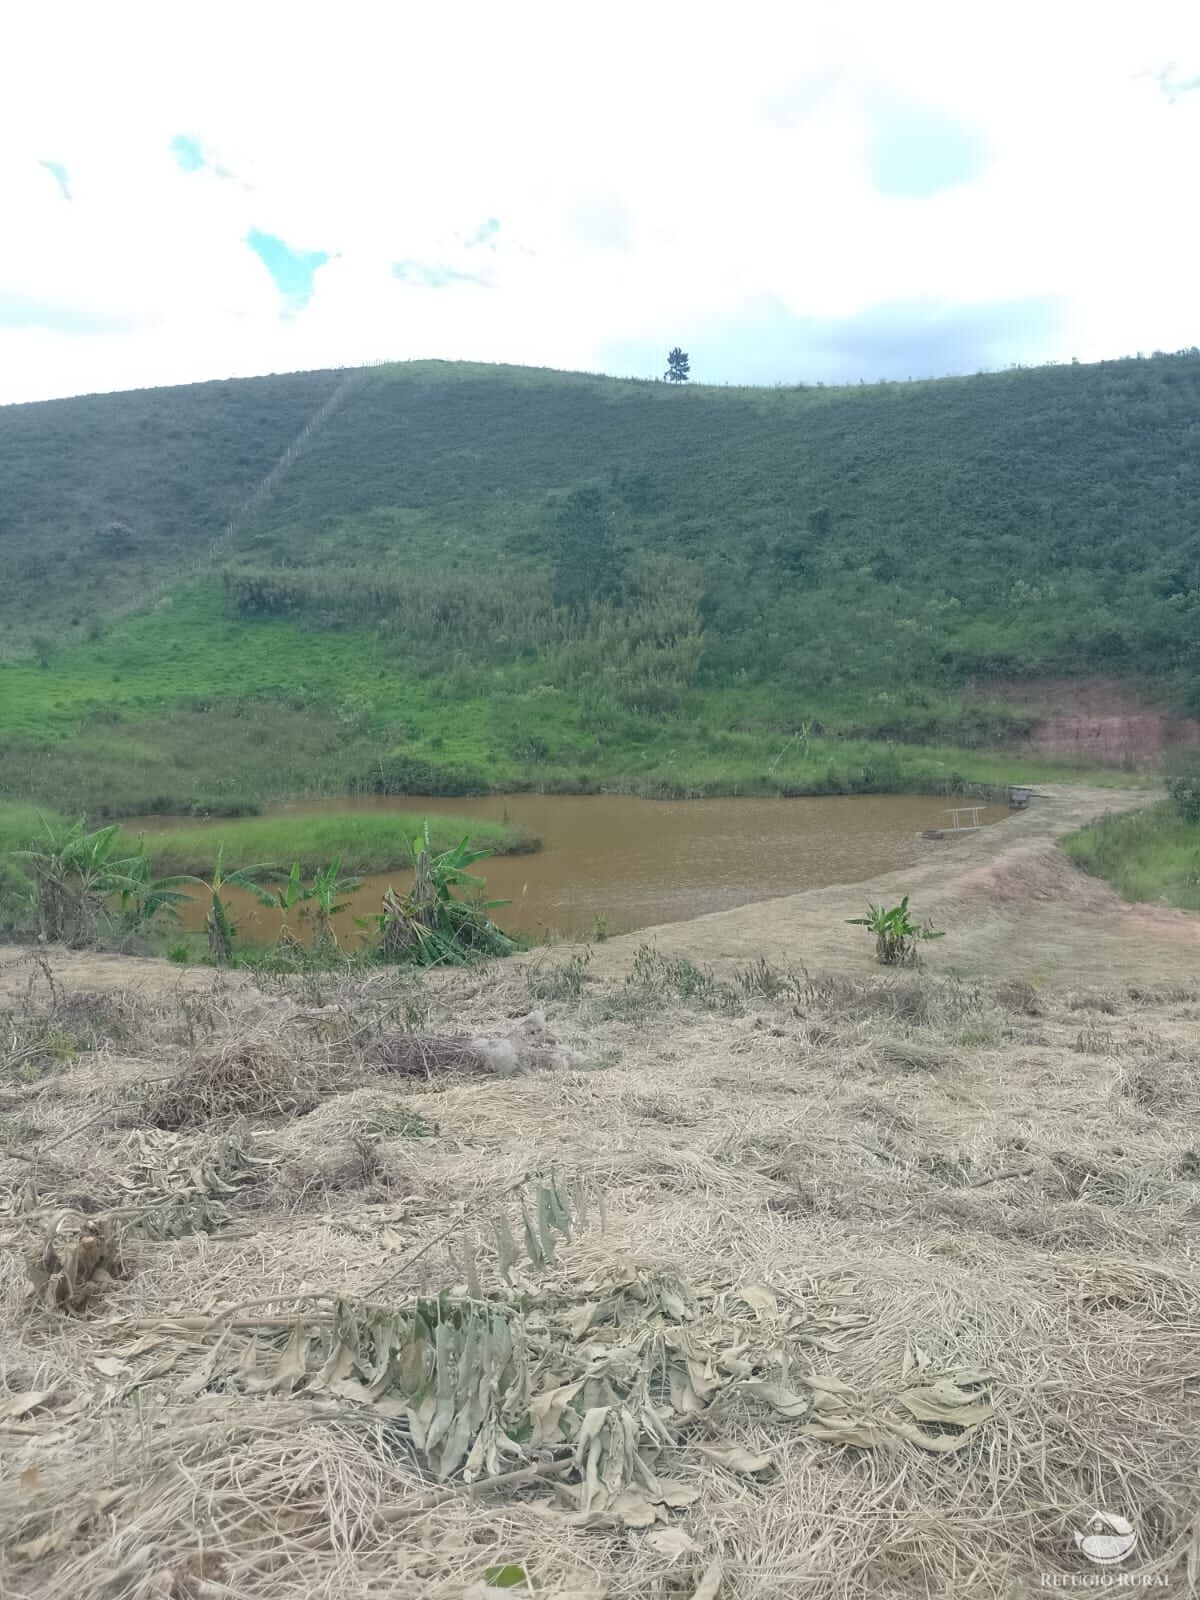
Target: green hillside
[
  {"x": 472, "y": 577},
  {"x": 105, "y": 496}
]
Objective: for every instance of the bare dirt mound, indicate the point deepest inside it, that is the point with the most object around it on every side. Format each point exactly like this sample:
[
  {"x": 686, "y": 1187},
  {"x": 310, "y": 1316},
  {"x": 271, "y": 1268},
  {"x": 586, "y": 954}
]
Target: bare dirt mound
[
  {"x": 1035, "y": 874},
  {"x": 1040, "y": 875}
]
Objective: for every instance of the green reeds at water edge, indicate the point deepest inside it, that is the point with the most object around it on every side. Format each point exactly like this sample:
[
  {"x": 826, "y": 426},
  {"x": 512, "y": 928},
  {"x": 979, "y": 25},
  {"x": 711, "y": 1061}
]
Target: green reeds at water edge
[{"x": 93, "y": 888}]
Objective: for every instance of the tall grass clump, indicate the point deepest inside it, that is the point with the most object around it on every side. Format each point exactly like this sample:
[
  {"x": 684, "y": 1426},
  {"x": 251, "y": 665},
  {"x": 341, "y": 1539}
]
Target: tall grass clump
[{"x": 1149, "y": 855}]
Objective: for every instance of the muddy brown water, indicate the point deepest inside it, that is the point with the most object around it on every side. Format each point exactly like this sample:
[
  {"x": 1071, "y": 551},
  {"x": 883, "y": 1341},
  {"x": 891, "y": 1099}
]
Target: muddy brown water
[{"x": 636, "y": 863}]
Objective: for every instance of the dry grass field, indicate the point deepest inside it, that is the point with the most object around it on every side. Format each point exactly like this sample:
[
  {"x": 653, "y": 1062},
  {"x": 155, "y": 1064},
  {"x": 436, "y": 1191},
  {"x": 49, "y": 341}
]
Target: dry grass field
[{"x": 711, "y": 1263}]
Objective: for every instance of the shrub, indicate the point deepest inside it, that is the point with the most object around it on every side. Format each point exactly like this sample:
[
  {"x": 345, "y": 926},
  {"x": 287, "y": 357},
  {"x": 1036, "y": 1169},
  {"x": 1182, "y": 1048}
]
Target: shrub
[{"x": 1183, "y": 784}]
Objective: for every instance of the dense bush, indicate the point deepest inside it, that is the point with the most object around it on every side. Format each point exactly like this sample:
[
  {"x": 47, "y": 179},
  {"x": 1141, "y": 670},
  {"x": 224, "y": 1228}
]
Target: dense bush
[{"x": 1183, "y": 784}]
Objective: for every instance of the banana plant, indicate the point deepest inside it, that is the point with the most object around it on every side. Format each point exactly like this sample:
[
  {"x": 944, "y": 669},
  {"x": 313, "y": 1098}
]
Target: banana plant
[
  {"x": 896, "y": 934},
  {"x": 144, "y": 898},
  {"x": 218, "y": 924},
  {"x": 325, "y": 891},
  {"x": 295, "y": 892},
  {"x": 76, "y": 875},
  {"x": 430, "y": 926}
]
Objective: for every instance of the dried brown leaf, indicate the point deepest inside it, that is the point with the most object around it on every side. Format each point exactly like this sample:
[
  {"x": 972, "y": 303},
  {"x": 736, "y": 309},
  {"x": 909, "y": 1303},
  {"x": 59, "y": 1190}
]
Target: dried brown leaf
[
  {"x": 671, "y": 1492},
  {"x": 759, "y": 1298},
  {"x": 710, "y": 1584},
  {"x": 20, "y": 1405},
  {"x": 546, "y": 1409},
  {"x": 735, "y": 1458},
  {"x": 779, "y": 1399},
  {"x": 670, "y": 1542},
  {"x": 203, "y": 1375},
  {"x": 293, "y": 1363},
  {"x": 947, "y": 1401},
  {"x": 822, "y": 1385},
  {"x": 940, "y": 1443},
  {"x": 633, "y": 1509},
  {"x": 849, "y": 1431}
]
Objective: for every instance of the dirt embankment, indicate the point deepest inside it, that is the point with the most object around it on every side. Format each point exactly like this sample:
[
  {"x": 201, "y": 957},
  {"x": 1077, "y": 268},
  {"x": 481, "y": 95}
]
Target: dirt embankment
[{"x": 1098, "y": 721}]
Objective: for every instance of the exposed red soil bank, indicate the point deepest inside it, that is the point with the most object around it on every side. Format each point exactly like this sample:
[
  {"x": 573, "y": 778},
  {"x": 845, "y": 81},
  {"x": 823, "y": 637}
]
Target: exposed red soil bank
[{"x": 1099, "y": 721}]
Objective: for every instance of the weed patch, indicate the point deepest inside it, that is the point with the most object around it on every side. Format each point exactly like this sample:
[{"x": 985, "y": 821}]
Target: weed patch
[
  {"x": 1151, "y": 854},
  {"x": 760, "y": 980},
  {"x": 560, "y": 980},
  {"x": 656, "y": 975}
]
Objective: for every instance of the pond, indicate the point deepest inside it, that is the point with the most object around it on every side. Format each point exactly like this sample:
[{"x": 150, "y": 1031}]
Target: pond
[{"x": 635, "y": 863}]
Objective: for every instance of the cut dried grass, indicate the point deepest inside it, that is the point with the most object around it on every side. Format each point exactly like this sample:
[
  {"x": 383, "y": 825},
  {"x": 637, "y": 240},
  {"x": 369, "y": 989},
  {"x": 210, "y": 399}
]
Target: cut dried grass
[
  {"x": 526, "y": 1047},
  {"x": 917, "y": 1002},
  {"x": 1021, "y": 995},
  {"x": 423, "y": 1055},
  {"x": 1163, "y": 1086},
  {"x": 238, "y": 1078},
  {"x": 905, "y": 1055},
  {"x": 355, "y": 1168},
  {"x": 1017, "y": 1213}
]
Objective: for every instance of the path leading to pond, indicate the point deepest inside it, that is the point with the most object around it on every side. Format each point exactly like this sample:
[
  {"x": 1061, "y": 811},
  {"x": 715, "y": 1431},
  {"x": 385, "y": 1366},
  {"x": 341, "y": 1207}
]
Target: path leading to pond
[{"x": 1009, "y": 901}]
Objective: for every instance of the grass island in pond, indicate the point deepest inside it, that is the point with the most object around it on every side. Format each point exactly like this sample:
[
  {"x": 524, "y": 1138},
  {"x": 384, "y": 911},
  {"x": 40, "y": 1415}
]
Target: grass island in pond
[{"x": 362, "y": 842}]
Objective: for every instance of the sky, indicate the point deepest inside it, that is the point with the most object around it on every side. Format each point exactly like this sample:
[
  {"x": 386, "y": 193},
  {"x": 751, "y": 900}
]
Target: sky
[{"x": 795, "y": 192}]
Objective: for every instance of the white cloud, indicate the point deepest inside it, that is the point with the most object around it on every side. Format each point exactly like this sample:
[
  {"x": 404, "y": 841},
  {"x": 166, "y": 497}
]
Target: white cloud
[{"x": 652, "y": 173}]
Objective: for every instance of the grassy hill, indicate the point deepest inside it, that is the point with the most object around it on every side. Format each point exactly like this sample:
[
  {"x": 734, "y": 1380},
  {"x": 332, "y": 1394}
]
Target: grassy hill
[{"x": 472, "y": 577}]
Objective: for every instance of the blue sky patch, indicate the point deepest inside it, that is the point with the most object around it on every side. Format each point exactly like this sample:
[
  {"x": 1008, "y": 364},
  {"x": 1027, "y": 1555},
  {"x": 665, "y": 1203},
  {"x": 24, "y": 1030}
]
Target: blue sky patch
[
  {"x": 291, "y": 270},
  {"x": 1172, "y": 85},
  {"x": 915, "y": 151},
  {"x": 191, "y": 156},
  {"x": 60, "y": 175},
  {"x": 187, "y": 153}
]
